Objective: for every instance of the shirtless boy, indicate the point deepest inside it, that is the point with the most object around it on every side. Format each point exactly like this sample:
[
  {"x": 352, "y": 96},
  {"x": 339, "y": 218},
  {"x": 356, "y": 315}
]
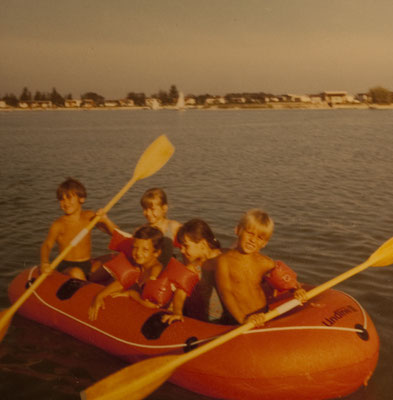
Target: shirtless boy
[
  {"x": 71, "y": 195},
  {"x": 240, "y": 271}
]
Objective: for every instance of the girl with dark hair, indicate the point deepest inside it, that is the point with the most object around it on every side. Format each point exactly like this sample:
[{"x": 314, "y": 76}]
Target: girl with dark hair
[{"x": 200, "y": 249}]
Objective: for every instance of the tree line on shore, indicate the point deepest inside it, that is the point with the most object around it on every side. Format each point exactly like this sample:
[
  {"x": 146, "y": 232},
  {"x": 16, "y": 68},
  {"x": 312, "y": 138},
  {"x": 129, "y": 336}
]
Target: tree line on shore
[{"x": 377, "y": 95}]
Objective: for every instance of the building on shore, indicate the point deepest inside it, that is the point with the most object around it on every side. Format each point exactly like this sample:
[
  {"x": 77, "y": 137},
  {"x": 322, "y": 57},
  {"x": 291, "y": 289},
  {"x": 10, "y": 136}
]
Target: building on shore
[
  {"x": 72, "y": 103},
  {"x": 35, "y": 104},
  {"x": 337, "y": 97}
]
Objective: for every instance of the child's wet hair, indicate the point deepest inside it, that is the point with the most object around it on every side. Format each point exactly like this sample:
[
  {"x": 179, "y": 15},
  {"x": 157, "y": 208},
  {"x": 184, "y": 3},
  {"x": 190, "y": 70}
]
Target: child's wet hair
[
  {"x": 196, "y": 230},
  {"x": 256, "y": 216},
  {"x": 152, "y": 233},
  {"x": 71, "y": 186},
  {"x": 152, "y": 194}
]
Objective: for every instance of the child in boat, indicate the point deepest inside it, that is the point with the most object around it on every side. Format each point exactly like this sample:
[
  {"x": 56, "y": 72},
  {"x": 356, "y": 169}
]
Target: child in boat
[
  {"x": 71, "y": 195},
  {"x": 200, "y": 249},
  {"x": 146, "y": 248},
  {"x": 154, "y": 203},
  {"x": 155, "y": 208},
  {"x": 240, "y": 271}
]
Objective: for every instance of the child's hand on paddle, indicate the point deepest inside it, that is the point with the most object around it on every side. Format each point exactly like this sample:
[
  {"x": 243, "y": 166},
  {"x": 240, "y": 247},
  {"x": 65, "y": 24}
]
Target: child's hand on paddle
[
  {"x": 105, "y": 224},
  {"x": 100, "y": 213},
  {"x": 301, "y": 295},
  {"x": 257, "y": 319},
  {"x": 45, "y": 268}
]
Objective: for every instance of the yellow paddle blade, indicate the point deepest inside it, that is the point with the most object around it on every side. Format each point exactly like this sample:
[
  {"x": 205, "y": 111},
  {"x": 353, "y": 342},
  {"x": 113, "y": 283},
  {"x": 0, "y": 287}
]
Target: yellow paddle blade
[
  {"x": 383, "y": 256},
  {"x": 134, "y": 382},
  {"x": 154, "y": 158},
  {"x": 5, "y": 323}
]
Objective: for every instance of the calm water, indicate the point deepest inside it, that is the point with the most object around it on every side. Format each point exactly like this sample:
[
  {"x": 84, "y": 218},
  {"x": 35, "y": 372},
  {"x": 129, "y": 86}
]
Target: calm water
[{"x": 324, "y": 176}]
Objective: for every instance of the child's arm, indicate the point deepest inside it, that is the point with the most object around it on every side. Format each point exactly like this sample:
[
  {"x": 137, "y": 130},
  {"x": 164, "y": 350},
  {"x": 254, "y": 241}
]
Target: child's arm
[
  {"x": 178, "y": 301},
  {"x": 175, "y": 226},
  {"x": 48, "y": 244},
  {"x": 136, "y": 296},
  {"x": 283, "y": 278},
  {"x": 154, "y": 271},
  {"x": 98, "y": 301},
  {"x": 105, "y": 224},
  {"x": 300, "y": 294},
  {"x": 225, "y": 290}
]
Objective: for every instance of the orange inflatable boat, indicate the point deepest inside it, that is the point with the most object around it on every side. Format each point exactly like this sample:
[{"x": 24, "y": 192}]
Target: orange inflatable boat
[{"x": 325, "y": 349}]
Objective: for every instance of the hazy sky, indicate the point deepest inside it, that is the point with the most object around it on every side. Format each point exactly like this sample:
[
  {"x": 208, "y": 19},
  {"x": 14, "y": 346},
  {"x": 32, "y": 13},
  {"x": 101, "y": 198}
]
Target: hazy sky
[{"x": 113, "y": 47}]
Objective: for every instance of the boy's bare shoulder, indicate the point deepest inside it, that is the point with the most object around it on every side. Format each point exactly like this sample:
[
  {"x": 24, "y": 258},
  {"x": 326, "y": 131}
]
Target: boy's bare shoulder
[
  {"x": 59, "y": 223},
  {"x": 227, "y": 257},
  {"x": 175, "y": 225},
  {"x": 88, "y": 214},
  {"x": 57, "y": 228},
  {"x": 264, "y": 261}
]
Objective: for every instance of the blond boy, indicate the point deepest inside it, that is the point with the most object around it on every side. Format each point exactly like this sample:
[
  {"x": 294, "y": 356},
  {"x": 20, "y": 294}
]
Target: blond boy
[
  {"x": 72, "y": 195},
  {"x": 240, "y": 270}
]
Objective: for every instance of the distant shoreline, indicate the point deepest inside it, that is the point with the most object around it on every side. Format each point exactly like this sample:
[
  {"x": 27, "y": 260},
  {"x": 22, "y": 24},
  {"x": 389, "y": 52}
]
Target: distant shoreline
[{"x": 269, "y": 106}]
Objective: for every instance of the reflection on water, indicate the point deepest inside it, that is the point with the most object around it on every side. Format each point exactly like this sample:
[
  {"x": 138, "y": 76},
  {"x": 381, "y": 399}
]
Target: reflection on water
[
  {"x": 47, "y": 360},
  {"x": 55, "y": 366},
  {"x": 324, "y": 176}
]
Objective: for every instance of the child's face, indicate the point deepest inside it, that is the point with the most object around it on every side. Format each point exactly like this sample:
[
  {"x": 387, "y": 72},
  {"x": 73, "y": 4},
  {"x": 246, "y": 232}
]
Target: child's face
[
  {"x": 193, "y": 251},
  {"x": 71, "y": 203},
  {"x": 143, "y": 251},
  {"x": 156, "y": 212},
  {"x": 252, "y": 239}
]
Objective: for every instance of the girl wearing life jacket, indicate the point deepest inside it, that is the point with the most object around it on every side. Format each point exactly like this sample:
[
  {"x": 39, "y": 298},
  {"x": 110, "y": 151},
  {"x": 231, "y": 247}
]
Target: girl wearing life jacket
[
  {"x": 131, "y": 276},
  {"x": 198, "y": 299}
]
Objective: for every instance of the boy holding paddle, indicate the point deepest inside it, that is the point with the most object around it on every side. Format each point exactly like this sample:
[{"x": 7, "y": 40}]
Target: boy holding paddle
[
  {"x": 71, "y": 195},
  {"x": 240, "y": 271}
]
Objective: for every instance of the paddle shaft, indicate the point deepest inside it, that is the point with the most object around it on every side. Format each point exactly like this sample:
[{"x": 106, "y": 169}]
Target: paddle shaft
[
  {"x": 338, "y": 279},
  {"x": 158, "y": 373},
  {"x": 14, "y": 307},
  {"x": 140, "y": 379},
  {"x": 153, "y": 158},
  {"x": 287, "y": 306},
  {"x": 378, "y": 255},
  {"x": 282, "y": 309}
]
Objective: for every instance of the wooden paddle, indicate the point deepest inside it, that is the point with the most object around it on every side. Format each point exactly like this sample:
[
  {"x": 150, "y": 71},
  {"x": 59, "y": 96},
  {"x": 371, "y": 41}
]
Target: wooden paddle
[
  {"x": 152, "y": 159},
  {"x": 140, "y": 379}
]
